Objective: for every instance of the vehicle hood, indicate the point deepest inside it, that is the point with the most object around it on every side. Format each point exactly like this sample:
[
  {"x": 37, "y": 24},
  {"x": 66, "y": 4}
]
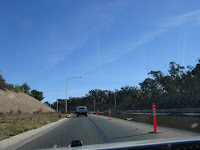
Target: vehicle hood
[{"x": 132, "y": 144}]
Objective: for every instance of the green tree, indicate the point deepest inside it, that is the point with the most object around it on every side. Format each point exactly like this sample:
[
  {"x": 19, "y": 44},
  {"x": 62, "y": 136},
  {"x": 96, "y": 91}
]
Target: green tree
[
  {"x": 150, "y": 89},
  {"x": 18, "y": 88},
  {"x": 61, "y": 104},
  {"x": 196, "y": 76},
  {"x": 37, "y": 95},
  {"x": 168, "y": 84},
  {"x": 10, "y": 86},
  {"x": 165, "y": 83},
  {"x": 175, "y": 69},
  {"x": 2, "y": 82},
  {"x": 26, "y": 88},
  {"x": 47, "y": 103}
]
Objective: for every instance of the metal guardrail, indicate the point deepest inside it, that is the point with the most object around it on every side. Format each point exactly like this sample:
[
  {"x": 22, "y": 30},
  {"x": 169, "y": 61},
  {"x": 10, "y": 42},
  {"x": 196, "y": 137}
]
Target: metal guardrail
[
  {"x": 173, "y": 110},
  {"x": 147, "y": 111}
]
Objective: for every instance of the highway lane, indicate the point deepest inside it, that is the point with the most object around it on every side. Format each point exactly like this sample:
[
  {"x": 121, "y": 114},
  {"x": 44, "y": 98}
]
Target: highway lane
[
  {"x": 99, "y": 129},
  {"x": 75, "y": 129}
]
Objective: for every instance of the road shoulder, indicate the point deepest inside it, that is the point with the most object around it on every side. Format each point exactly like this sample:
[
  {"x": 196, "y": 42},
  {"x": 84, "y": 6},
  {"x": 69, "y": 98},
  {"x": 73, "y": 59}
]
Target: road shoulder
[
  {"x": 23, "y": 138},
  {"x": 163, "y": 132}
]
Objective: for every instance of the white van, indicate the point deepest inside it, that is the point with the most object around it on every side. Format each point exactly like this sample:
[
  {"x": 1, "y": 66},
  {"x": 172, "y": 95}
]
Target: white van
[{"x": 81, "y": 110}]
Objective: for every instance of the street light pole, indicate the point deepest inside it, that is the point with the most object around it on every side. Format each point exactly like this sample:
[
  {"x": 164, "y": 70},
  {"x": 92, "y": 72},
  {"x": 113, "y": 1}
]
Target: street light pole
[
  {"x": 94, "y": 103},
  {"x": 66, "y": 98},
  {"x": 115, "y": 100},
  {"x": 57, "y": 102},
  {"x": 66, "y": 91}
]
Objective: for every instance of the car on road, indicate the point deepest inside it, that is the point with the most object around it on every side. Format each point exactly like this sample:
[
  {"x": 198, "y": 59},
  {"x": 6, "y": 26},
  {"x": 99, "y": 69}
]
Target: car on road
[{"x": 81, "y": 110}]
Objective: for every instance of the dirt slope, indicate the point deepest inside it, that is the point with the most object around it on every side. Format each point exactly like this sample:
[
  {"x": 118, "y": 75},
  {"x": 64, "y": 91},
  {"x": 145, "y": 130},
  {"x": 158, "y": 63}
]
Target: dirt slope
[{"x": 12, "y": 101}]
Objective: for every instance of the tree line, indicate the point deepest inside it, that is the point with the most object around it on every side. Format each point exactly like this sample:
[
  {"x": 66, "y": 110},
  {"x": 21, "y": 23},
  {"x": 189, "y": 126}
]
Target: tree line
[
  {"x": 179, "y": 81},
  {"x": 23, "y": 88}
]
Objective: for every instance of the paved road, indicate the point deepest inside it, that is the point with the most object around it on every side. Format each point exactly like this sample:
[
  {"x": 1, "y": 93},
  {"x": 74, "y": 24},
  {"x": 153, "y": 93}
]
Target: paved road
[{"x": 99, "y": 129}]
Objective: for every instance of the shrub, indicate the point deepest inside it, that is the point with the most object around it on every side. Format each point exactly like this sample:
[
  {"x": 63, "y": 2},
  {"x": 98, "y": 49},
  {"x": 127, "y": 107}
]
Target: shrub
[
  {"x": 62, "y": 111},
  {"x": 2, "y": 83},
  {"x": 19, "y": 112},
  {"x": 1, "y": 114},
  {"x": 18, "y": 88},
  {"x": 11, "y": 111},
  {"x": 38, "y": 111},
  {"x": 60, "y": 116},
  {"x": 10, "y": 87}
]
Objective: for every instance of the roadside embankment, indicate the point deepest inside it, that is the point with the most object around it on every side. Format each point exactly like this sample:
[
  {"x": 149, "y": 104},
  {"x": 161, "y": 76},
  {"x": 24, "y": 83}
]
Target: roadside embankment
[{"x": 13, "y": 124}]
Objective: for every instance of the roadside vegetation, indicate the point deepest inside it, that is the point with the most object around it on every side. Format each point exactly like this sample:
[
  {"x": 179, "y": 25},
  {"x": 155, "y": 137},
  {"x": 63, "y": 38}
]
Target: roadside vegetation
[
  {"x": 13, "y": 124},
  {"x": 179, "y": 88},
  {"x": 21, "y": 88}
]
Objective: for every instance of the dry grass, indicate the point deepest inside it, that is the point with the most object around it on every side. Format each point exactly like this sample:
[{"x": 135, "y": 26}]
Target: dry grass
[{"x": 13, "y": 124}]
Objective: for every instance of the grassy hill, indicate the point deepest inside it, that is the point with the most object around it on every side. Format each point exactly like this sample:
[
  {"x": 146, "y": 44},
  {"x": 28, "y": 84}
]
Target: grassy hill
[{"x": 14, "y": 102}]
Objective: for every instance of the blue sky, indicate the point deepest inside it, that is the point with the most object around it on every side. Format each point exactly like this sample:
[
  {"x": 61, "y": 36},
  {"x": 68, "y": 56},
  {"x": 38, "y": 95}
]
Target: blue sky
[{"x": 109, "y": 43}]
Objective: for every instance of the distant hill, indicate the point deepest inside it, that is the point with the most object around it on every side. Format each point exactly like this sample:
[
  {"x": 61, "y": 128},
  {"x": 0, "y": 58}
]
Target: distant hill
[{"x": 20, "y": 102}]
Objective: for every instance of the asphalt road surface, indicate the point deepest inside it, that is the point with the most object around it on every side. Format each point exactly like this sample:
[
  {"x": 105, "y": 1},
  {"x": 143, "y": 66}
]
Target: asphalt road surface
[{"x": 99, "y": 129}]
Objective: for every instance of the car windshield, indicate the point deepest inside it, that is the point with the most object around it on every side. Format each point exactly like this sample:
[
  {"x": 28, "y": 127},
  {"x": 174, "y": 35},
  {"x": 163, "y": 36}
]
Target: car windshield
[{"x": 100, "y": 72}]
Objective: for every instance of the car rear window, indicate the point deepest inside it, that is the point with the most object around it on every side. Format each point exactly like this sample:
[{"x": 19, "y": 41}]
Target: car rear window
[{"x": 81, "y": 108}]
